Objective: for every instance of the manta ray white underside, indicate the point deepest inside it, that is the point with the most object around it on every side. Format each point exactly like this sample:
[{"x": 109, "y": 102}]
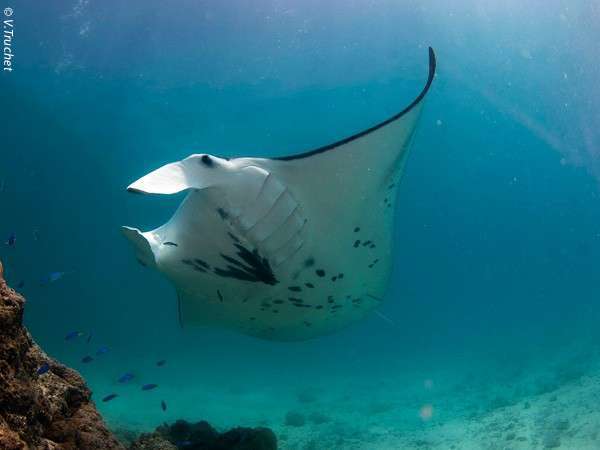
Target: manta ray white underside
[{"x": 287, "y": 248}]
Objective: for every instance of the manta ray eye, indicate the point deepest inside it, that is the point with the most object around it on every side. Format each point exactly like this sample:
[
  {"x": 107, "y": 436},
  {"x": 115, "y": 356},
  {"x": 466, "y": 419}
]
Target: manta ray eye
[{"x": 206, "y": 160}]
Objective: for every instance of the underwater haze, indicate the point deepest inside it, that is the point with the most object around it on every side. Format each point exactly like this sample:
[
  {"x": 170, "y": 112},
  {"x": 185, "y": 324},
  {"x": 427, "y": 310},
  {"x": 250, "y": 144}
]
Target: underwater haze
[{"x": 488, "y": 334}]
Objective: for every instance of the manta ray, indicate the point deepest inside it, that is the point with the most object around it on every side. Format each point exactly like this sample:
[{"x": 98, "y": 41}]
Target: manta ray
[{"x": 286, "y": 248}]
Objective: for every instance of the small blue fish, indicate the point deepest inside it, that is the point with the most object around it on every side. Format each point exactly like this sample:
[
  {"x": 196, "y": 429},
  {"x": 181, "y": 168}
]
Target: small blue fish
[
  {"x": 161, "y": 363},
  {"x": 12, "y": 239},
  {"x": 102, "y": 350},
  {"x": 148, "y": 387},
  {"x": 72, "y": 335},
  {"x": 52, "y": 277},
  {"x": 109, "y": 397},
  {"x": 126, "y": 377},
  {"x": 163, "y": 405},
  {"x": 21, "y": 284},
  {"x": 87, "y": 359},
  {"x": 43, "y": 369}
]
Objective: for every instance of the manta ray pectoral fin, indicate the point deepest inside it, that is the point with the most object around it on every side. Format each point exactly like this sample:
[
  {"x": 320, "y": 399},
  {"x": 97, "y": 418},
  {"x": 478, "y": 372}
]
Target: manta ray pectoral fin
[
  {"x": 383, "y": 142},
  {"x": 143, "y": 249}
]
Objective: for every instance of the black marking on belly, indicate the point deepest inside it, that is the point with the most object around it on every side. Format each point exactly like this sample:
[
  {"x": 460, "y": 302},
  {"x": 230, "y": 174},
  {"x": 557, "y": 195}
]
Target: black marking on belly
[
  {"x": 195, "y": 265},
  {"x": 340, "y": 276},
  {"x": 330, "y": 299},
  {"x": 357, "y": 229},
  {"x": 222, "y": 214},
  {"x": 253, "y": 267},
  {"x": 320, "y": 272},
  {"x": 319, "y": 307},
  {"x": 233, "y": 236},
  {"x": 278, "y": 302},
  {"x": 391, "y": 186},
  {"x": 334, "y": 278},
  {"x": 372, "y": 246},
  {"x": 295, "y": 288},
  {"x": 373, "y": 263},
  {"x": 309, "y": 262},
  {"x": 220, "y": 295},
  {"x": 201, "y": 263},
  {"x": 309, "y": 285},
  {"x": 172, "y": 244},
  {"x": 356, "y": 243},
  {"x": 367, "y": 243},
  {"x": 295, "y": 300}
]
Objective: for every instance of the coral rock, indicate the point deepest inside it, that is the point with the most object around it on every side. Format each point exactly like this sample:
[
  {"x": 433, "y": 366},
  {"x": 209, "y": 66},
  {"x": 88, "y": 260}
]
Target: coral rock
[{"x": 49, "y": 411}]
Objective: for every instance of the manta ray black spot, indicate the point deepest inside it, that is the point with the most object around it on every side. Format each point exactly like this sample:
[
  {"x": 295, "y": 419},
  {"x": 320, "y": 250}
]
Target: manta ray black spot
[
  {"x": 196, "y": 264},
  {"x": 340, "y": 276},
  {"x": 356, "y": 243},
  {"x": 233, "y": 237},
  {"x": 295, "y": 288},
  {"x": 334, "y": 278},
  {"x": 319, "y": 307},
  {"x": 366, "y": 243},
  {"x": 320, "y": 272},
  {"x": 253, "y": 267},
  {"x": 373, "y": 263},
  {"x": 278, "y": 302},
  {"x": 201, "y": 263},
  {"x": 207, "y": 160},
  {"x": 309, "y": 285},
  {"x": 220, "y": 295},
  {"x": 357, "y": 229},
  {"x": 172, "y": 244},
  {"x": 296, "y": 300},
  {"x": 309, "y": 262},
  {"x": 222, "y": 214}
]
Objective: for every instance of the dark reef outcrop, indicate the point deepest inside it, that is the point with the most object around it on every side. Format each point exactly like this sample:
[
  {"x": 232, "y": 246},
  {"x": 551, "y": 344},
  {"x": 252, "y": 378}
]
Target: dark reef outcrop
[
  {"x": 45, "y": 405},
  {"x": 202, "y": 436},
  {"x": 49, "y": 411}
]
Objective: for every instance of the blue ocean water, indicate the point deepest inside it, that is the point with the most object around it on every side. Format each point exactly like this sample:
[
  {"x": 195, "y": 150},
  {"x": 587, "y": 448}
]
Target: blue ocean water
[{"x": 494, "y": 299}]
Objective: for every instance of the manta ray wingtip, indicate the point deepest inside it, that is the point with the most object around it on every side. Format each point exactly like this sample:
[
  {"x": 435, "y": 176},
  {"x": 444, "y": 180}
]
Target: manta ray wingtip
[{"x": 432, "y": 60}]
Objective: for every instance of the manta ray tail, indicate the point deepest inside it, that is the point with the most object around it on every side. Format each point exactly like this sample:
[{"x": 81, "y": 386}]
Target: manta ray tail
[{"x": 143, "y": 250}]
